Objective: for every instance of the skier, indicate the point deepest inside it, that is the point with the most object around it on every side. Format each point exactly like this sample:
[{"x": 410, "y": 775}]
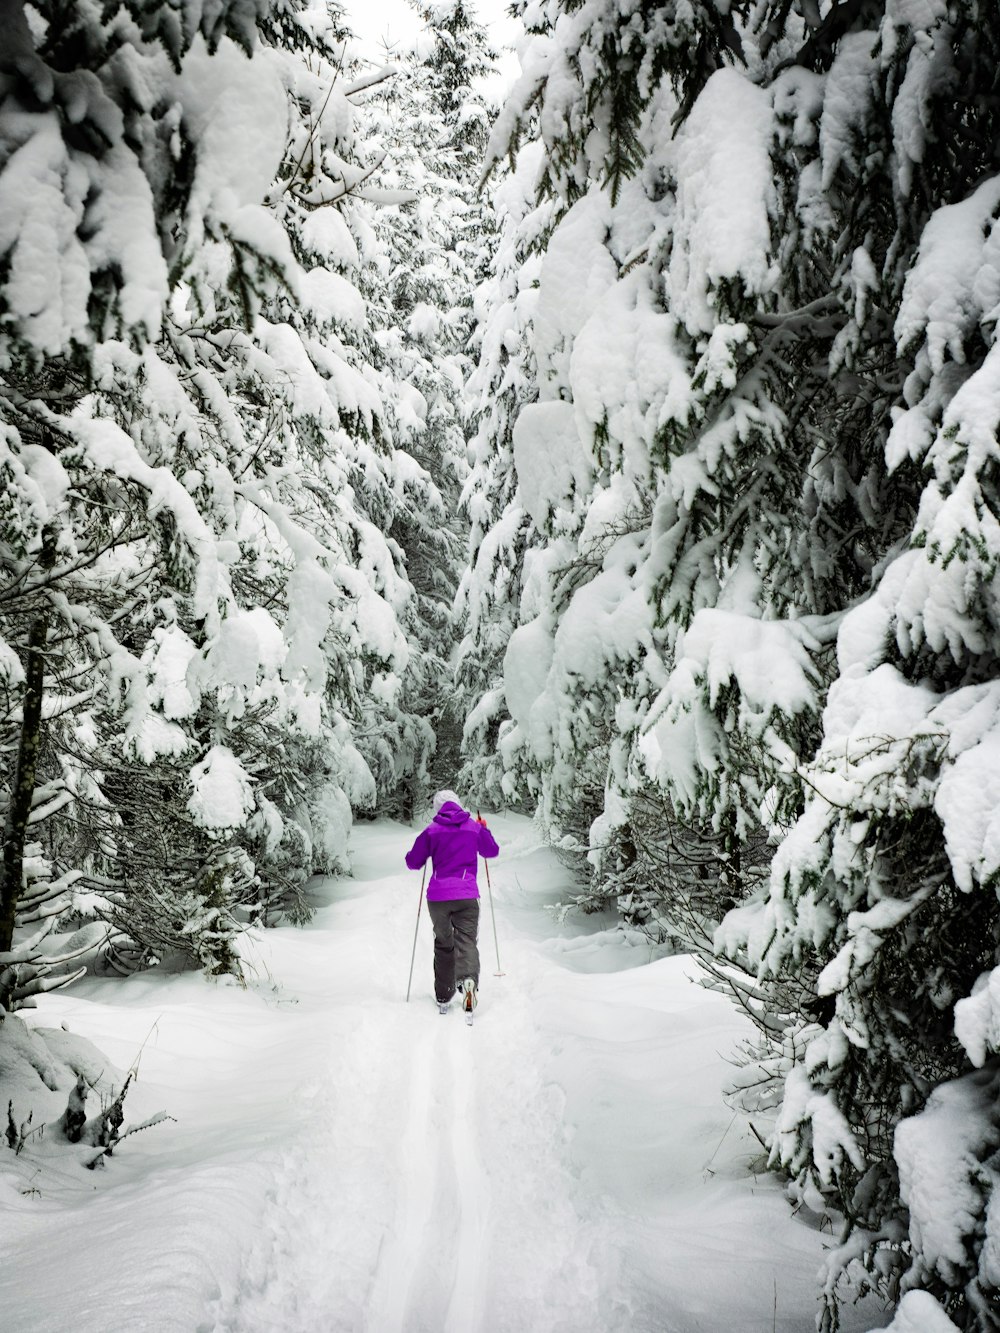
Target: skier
[{"x": 453, "y": 840}]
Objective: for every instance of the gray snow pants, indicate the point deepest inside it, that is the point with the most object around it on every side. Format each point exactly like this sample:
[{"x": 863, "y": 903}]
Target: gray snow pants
[{"x": 456, "y": 925}]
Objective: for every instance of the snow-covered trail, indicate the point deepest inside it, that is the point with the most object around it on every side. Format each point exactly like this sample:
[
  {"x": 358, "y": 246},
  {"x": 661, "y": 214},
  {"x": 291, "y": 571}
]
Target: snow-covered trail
[
  {"x": 434, "y": 1177},
  {"x": 344, "y": 1162}
]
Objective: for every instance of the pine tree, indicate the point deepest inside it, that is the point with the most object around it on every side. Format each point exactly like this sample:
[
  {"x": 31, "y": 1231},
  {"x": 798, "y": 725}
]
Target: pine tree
[
  {"x": 757, "y": 581},
  {"x": 98, "y": 182},
  {"x": 503, "y": 381},
  {"x": 431, "y": 125},
  {"x": 201, "y": 471}
]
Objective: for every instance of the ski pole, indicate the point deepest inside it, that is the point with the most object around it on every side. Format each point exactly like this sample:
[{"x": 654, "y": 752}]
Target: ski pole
[
  {"x": 496, "y": 945},
  {"x": 493, "y": 915},
  {"x": 413, "y": 955}
]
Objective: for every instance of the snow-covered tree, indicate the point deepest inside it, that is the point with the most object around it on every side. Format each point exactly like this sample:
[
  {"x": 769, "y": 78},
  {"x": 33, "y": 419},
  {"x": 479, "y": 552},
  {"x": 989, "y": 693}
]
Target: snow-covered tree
[
  {"x": 432, "y": 125},
  {"x": 755, "y": 456},
  {"x": 102, "y": 134},
  {"x": 203, "y": 616},
  {"x": 489, "y": 593}
]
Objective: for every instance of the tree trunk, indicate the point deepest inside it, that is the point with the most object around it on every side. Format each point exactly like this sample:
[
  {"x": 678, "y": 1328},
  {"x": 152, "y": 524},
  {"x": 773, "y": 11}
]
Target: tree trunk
[{"x": 23, "y": 786}]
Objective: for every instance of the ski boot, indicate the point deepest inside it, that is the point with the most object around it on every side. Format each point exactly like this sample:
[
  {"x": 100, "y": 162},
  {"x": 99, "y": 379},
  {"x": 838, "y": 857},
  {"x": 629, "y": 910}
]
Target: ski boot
[{"x": 469, "y": 998}]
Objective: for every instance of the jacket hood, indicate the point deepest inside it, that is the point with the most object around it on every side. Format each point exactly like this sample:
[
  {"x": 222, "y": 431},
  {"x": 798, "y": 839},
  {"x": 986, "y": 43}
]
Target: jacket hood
[{"x": 451, "y": 815}]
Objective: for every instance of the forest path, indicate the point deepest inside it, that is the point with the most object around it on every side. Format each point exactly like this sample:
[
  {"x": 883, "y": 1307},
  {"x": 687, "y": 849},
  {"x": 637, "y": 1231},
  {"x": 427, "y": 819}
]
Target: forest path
[
  {"x": 429, "y": 1189},
  {"x": 341, "y": 1161}
]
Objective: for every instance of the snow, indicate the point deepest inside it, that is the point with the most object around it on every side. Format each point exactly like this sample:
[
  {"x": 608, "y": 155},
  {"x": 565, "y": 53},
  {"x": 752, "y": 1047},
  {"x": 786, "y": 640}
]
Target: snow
[
  {"x": 552, "y": 464},
  {"x": 247, "y": 645},
  {"x": 526, "y": 665},
  {"x": 44, "y": 481},
  {"x": 942, "y": 1177},
  {"x": 723, "y": 153},
  {"x": 955, "y": 282},
  {"x": 919, "y": 1312},
  {"x": 171, "y": 655},
  {"x": 41, "y": 206},
  {"x": 626, "y": 374},
  {"x": 340, "y": 1160},
  {"x": 928, "y": 70},
  {"x": 865, "y": 931},
  {"x": 832, "y": 1137},
  {"x": 968, "y": 801},
  {"x": 977, "y": 1018},
  {"x": 871, "y": 706},
  {"x": 149, "y": 736},
  {"x": 605, "y": 624},
  {"x": 110, "y": 450},
  {"x": 222, "y": 795},
  {"x": 236, "y": 109},
  {"x": 122, "y": 237},
  {"x": 576, "y": 271},
  {"x": 330, "y": 819},
  {"x": 326, "y": 232},
  {"x": 766, "y": 661},
  {"x": 847, "y": 103}
]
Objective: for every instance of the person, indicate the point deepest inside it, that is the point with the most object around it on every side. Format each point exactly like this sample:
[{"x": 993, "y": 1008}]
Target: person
[{"x": 453, "y": 841}]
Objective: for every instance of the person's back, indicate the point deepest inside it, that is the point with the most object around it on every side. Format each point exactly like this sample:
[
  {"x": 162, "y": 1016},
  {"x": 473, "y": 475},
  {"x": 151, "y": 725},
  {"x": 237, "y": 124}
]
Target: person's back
[{"x": 454, "y": 841}]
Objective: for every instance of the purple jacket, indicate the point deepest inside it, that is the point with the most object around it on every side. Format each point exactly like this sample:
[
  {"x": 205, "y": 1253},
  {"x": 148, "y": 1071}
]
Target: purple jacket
[{"x": 453, "y": 840}]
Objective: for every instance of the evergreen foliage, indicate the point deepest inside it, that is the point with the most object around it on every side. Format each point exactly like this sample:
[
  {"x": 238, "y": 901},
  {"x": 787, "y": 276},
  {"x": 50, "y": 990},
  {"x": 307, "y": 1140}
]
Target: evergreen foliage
[
  {"x": 753, "y": 433},
  {"x": 211, "y": 456},
  {"x": 432, "y": 124},
  {"x": 503, "y": 381},
  {"x": 707, "y": 379}
]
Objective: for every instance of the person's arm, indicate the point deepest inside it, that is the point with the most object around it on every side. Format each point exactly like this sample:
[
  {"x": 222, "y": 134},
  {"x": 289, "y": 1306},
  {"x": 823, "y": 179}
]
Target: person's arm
[
  {"x": 486, "y": 844},
  {"x": 417, "y": 856}
]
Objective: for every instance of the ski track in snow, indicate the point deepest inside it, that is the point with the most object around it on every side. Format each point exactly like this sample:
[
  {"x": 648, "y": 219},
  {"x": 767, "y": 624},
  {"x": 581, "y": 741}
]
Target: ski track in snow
[
  {"x": 415, "y": 1225},
  {"x": 344, "y": 1162},
  {"x": 465, "y": 1309},
  {"x": 431, "y": 1269}
]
